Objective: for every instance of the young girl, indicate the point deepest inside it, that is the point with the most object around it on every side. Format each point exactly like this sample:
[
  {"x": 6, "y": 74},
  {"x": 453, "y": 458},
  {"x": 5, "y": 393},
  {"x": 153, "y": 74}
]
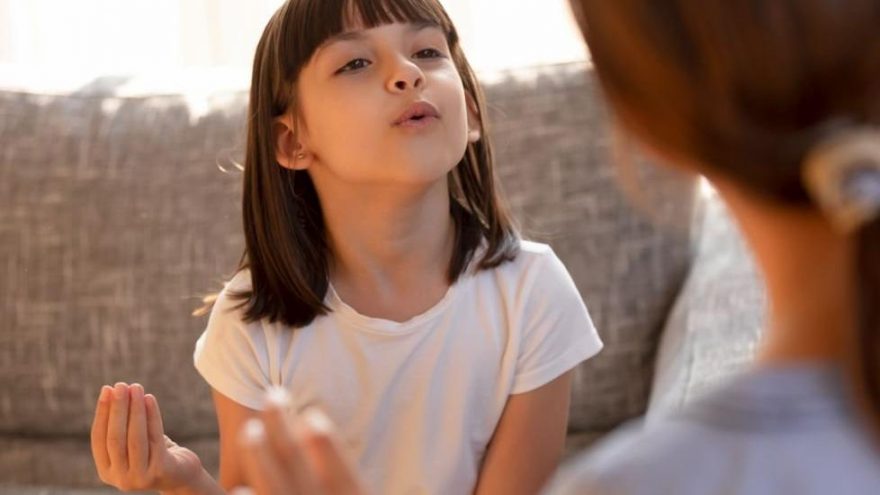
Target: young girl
[
  {"x": 778, "y": 105},
  {"x": 383, "y": 282}
]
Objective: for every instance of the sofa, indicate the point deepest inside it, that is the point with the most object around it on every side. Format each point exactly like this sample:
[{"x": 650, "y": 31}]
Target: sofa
[{"x": 119, "y": 210}]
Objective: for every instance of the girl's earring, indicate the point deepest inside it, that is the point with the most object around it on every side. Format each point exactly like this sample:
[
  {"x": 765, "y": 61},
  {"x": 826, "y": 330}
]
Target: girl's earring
[
  {"x": 300, "y": 156},
  {"x": 474, "y": 136}
]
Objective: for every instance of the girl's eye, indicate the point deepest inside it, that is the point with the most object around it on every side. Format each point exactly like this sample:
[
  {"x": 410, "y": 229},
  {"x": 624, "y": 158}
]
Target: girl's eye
[
  {"x": 356, "y": 64},
  {"x": 428, "y": 53}
]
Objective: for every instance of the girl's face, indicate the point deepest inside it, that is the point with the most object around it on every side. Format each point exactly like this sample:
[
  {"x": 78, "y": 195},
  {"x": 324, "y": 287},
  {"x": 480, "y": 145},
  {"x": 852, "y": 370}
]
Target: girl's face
[{"x": 384, "y": 105}]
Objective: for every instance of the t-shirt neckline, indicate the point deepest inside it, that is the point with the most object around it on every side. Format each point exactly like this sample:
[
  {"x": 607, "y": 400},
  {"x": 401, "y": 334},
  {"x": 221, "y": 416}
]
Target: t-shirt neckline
[
  {"x": 391, "y": 327},
  {"x": 382, "y": 325}
]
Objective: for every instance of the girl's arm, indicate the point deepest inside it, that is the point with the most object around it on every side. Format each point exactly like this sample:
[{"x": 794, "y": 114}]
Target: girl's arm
[
  {"x": 231, "y": 417},
  {"x": 528, "y": 441},
  {"x": 203, "y": 485}
]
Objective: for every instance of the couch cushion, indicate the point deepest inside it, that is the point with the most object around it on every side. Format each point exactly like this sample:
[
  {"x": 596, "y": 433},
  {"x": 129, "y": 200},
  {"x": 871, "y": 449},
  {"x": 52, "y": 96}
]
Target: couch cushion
[
  {"x": 12, "y": 489},
  {"x": 716, "y": 323},
  {"x": 115, "y": 218},
  {"x": 628, "y": 254},
  {"x": 66, "y": 462}
]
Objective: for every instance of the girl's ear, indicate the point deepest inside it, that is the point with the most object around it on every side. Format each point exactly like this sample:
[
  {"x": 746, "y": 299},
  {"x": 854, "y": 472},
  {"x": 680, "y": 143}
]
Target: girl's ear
[
  {"x": 289, "y": 151},
  {"x": 473, "y": 120}
]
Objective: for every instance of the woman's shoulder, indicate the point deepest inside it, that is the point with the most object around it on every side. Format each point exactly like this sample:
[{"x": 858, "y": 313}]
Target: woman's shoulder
[
  {"x": 728, "y": 433},
  {"x": 662, "y": 459}
]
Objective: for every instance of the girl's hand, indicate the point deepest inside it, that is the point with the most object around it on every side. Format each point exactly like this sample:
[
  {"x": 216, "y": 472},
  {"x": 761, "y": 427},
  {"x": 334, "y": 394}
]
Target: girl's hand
[
  {"x": 295, "y": 455},
  {"x": 129, "y": 444}
]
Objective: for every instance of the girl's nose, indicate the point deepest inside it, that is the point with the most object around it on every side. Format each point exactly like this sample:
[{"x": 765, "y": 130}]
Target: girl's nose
[
  {"x": 408, "y": 76},
  {"x": 402, "y": 84}
]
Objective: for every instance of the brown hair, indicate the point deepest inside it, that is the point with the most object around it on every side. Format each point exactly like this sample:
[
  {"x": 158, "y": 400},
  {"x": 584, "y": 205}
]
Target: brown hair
[
  {"x": 746, "y": 89},
  {"x": 286, "y": 249}
]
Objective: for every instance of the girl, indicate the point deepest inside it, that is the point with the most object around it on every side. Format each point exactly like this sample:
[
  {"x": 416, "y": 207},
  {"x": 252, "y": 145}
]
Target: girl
[
  {"x": 778, "y": 105},
  {"x": 383, "y": 282}
]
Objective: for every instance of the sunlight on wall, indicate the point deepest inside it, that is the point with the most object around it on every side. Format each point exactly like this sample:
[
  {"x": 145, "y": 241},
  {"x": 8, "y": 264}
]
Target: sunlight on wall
[
  {"x": 67, "y": 39},
  {"x": 503, "y": 34}
]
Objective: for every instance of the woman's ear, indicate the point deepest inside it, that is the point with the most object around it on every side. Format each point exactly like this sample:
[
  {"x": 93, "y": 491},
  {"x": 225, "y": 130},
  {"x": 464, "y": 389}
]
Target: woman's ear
[
  {"x": 289, "y": 150},
  {"x": 473, "y": 120}
]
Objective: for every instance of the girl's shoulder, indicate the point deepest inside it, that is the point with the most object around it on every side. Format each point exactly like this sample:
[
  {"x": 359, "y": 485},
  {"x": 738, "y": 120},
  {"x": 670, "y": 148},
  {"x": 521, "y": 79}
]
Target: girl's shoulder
[
  {"x": 528, "y": 254},
  {"x": 228, "y": 302},
  {"x": 534, "y": 248},
  {"x": 241, "y": 281},
  {"x": 531, "y": 256},
  {"x": 536, "y": 267}
]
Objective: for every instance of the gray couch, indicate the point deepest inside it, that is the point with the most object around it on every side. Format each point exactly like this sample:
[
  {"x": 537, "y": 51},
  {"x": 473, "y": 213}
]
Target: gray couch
[{"x": 117, "y": 213}]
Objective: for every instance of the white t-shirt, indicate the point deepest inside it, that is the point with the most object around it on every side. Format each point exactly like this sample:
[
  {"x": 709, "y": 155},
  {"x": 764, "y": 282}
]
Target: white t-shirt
[{"x": 418, "y": 401}]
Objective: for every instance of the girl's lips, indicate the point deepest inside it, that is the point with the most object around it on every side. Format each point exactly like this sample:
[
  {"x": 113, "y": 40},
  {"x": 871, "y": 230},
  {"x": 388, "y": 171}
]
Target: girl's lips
[
  {"x": 417, "y": 112},
  {"x": 420, "y": 123}
]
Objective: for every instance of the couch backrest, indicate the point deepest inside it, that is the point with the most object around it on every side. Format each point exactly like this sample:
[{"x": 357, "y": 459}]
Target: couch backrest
[{"x": 115, "y": 217}]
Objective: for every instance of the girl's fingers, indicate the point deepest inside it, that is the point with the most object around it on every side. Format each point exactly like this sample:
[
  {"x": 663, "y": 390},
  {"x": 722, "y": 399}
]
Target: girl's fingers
[
  {"x": 335, "y": 475},
  {"x": 138, "y": 448},
  {"x": 155, "y": 429},
  {"x": 99, "y": 430},
  {"x": 117, "y": 430},
  {"x": 262, "y": 470},
  {"x": 283, "y": 442}
]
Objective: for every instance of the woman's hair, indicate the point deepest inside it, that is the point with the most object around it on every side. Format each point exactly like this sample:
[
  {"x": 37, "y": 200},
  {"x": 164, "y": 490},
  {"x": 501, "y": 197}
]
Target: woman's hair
[
  {"x": 747, "y": 89},
  {"x": 286, "y": 247}
]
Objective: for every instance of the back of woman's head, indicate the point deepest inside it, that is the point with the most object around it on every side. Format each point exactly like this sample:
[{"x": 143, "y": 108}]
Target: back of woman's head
[
  {"x": 286, "y": 247},
  {"x": 747, "y": 90}
]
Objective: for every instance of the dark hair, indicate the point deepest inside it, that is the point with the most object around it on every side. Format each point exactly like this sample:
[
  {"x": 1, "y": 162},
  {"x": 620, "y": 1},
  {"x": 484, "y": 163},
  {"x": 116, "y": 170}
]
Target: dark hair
[
  {"x": 285, "y": 244},
  {"x": 746, "y": 89}
]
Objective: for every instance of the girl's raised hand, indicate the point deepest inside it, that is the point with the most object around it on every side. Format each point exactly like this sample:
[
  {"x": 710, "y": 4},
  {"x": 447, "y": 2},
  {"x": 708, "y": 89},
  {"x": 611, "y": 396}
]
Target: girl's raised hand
[
  {"x": 129, "y": 445},
  {"x": 295, "y": 455}
]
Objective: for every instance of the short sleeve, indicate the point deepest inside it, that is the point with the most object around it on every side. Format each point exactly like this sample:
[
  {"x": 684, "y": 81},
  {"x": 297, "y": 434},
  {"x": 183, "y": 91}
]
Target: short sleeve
[
  {"x": 557, "y": 332},
  {"x": 231, "y": 355}
]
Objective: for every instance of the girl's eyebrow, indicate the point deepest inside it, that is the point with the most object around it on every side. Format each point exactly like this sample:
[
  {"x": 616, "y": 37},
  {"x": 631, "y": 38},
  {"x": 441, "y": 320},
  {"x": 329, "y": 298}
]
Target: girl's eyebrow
[{"x": 358, "y": 34}]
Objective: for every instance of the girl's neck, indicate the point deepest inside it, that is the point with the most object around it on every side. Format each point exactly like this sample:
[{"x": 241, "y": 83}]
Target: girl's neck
[
  {"x": 810, "y": 282},
  {"x": 388, "y": 241}
]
